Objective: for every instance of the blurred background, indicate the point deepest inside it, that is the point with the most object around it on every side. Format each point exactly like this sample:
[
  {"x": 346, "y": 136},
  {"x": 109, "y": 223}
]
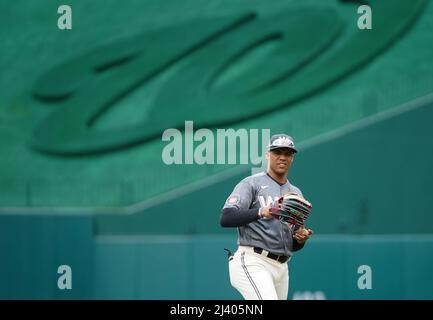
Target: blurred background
[{"x": 82, "y": 112}]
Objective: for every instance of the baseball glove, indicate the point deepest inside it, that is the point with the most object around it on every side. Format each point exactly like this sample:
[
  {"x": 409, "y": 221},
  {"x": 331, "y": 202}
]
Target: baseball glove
[{"x": 291, "y": 208}]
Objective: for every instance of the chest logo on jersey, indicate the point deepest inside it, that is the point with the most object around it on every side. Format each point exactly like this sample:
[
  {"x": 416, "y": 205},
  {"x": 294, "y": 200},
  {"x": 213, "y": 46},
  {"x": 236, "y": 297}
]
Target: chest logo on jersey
[{"x": 264, "y": 202}]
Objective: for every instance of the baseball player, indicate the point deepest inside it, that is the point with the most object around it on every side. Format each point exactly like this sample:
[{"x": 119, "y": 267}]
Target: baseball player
[{"x": 259, "y": 269}]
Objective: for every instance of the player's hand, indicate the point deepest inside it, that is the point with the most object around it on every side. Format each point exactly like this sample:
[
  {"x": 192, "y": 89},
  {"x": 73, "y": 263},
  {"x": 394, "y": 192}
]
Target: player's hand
[
  {"x": 265, "y": 212},
  {"x": 302, "y": 234}
]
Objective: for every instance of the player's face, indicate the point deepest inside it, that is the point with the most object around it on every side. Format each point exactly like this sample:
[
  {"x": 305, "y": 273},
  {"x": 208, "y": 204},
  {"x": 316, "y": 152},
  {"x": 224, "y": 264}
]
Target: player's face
[{"x": 280, "y": 160}]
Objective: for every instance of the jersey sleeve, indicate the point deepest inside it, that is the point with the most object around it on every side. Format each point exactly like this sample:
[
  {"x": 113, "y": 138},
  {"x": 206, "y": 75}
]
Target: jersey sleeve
[{"x": 242, "y": 196}]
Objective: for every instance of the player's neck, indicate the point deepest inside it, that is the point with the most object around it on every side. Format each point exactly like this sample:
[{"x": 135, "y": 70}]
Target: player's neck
[{"x": 282, "y": 179}]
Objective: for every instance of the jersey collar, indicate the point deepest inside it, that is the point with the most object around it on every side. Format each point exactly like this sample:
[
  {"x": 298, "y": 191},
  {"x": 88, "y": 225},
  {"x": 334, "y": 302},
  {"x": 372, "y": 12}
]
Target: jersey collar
[{"x": 280, "y": 184}]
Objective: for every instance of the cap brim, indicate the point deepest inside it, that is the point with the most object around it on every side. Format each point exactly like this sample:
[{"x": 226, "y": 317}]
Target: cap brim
[{"x": 275, "y": 148}]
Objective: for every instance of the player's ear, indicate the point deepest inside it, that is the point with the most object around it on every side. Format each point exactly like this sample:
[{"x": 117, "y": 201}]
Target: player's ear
[{"x": 267, "y": 155}]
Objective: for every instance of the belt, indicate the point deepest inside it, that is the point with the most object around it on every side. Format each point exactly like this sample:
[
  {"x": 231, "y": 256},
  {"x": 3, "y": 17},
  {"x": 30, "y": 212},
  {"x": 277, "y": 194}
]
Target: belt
[{"x": 279, "y": 258}]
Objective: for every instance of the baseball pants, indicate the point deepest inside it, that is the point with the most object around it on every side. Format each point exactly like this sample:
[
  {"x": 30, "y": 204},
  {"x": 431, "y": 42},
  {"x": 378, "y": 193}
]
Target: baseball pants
[{"x": 258, "y": 277}]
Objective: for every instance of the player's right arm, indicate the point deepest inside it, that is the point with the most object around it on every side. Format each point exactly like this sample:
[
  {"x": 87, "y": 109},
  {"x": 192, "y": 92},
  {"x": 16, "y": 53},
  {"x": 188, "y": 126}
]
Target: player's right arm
[{"x": 236, "y": 211}]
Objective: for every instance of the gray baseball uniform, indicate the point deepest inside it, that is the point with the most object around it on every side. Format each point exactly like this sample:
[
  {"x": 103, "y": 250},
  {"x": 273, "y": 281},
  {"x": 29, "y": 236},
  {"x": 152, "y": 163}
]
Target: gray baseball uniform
[
  {"x": 258, "y": 269},
  {"x": 248, "y": 196}
]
